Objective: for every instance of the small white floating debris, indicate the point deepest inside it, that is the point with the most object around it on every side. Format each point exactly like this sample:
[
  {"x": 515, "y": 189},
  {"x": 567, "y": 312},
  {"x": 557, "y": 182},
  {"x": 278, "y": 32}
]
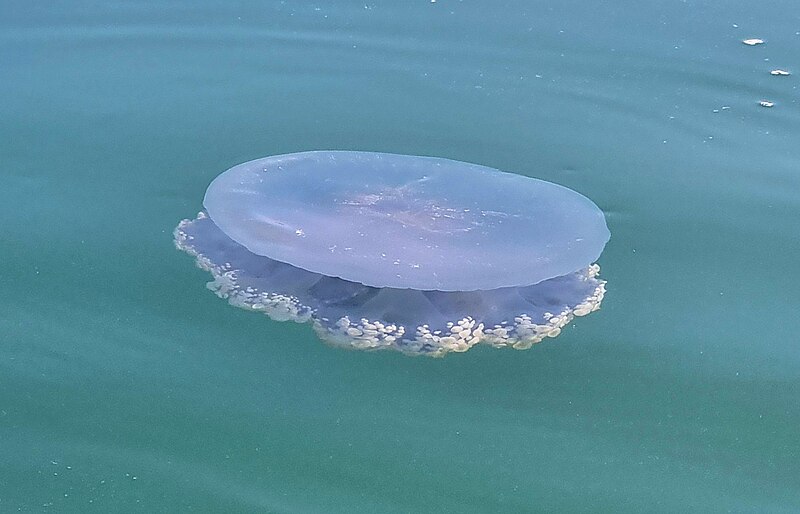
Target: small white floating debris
[
  {"x": 781, "y": 73},
  {"x": 753, "y": 41},
  {"x": 766, "y": 103}
]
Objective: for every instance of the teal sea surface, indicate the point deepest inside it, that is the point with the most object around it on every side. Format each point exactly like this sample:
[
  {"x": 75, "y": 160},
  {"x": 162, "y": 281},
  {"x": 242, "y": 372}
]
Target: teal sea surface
[{"x": 126, "y": 386}]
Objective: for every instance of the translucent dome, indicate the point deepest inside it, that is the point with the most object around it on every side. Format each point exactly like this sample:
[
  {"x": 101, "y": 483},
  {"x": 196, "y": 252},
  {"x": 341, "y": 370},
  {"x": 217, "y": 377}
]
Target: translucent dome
[{"x": 401, "y": 221}]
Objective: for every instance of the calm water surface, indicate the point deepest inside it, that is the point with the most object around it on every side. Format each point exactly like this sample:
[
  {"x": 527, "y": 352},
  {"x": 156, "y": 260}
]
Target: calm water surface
[{"x": 125, "y": 386}]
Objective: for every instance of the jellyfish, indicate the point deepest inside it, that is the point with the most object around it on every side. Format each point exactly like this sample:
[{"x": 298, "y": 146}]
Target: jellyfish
[{"x": 382, "y": 251}]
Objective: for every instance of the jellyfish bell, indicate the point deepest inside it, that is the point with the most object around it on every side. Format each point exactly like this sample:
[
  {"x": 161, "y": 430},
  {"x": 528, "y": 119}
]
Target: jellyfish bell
[{"x": 418, "y": 254}]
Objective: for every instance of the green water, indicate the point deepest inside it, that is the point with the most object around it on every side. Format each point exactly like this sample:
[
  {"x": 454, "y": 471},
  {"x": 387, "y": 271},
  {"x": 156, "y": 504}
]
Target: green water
[{"x": 125, "y": 386}]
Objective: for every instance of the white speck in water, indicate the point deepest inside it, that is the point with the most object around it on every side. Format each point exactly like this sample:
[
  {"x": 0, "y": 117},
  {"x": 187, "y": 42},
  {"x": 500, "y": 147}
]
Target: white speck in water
[
  {"x": 753, "y": 41},
  {"x": 780, "y": 73}
]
